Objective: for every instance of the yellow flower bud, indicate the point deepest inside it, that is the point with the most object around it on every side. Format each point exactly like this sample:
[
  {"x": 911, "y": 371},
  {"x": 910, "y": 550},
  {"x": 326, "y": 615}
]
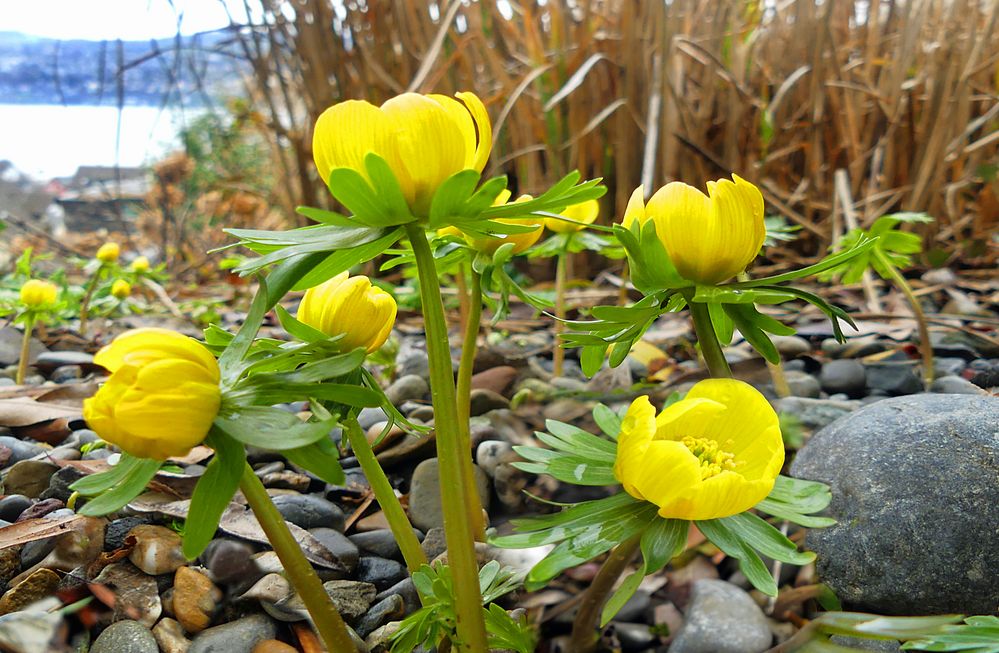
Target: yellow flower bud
[
  {"x": 715, "y": 453},
  {"x": 424, "y": 139},
  {"x": 121, "y": 289},
  {"x": 635, "y": 211},
  {"x": 350, "y": 307},
  {"x": 521, "y": 242},
  {"x": 108, "y": 252},
  {"x": 713, "y": 237},
  {"x": 36, "y": 292},
  {"x": 581, "y": 215},
  {"x": 140, "y": 265},
  {"x": 162, "y": 395}
]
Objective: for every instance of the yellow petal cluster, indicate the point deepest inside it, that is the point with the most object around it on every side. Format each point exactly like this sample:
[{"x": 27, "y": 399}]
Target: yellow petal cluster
[
  {"x": 635, "y": 211},
  {"x": 710, "y": 238},
  {"x": 713, "y": 454},
  {"x": 121, "y": 289},
  {"x": 35, "y": 293},
  {"x": 424, "y": 139},
  {"x": 350, "y": 307},
  {"x": 108, "y": 252},
  {"x": 162, "y": 395},
  {"x": 140, "y": 264},
  {"x": 581, "y": 215},
  {"x": 521, "y": 242}
]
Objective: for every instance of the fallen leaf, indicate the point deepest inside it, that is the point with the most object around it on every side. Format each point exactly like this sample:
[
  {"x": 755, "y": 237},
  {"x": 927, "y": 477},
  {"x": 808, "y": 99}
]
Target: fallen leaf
[
  {"x": 24, "y": 411},
  {"x": 40, "y": 528}
]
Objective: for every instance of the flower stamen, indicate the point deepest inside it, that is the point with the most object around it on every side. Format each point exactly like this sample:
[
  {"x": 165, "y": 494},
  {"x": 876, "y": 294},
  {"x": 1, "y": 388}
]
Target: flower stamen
[{"x": 714, "y": 460}]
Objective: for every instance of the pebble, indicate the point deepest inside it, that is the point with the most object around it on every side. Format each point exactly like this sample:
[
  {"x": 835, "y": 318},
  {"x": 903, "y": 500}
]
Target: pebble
[
  {"x": 434, "y": 543},
  {"x": 368, "y": 417},
  {"x": 955, "y": 385},
  {"x": 66, "y": 373},
  {"x": 52, "y": 360},
  {"x": 380, "y": 572},
  {"x": 29, "y": 477},
  {"x": 36, "y": 586},
  {"x": 893, "y": 379},
  {"x": 816, "y": 413},
  {"x": 12, "y": 505},
  {"x": 802, "y": 384},
  {"x": 425, "y": 510},
  {"x": 229, "y": 561},
  {"x": 946, "y": 366},
  {"x": 791, "y": 346},
  {"x": 125, "y": 636},
  {"x": 339, "y": 545},
  {"x": 118, "y": 529},
  {"x": 195, "y": 599},
  {"x": 137, "y": 594},
  {"x": 912, "y": 542},
  {"x": 170, "y": 636},
  {"x": 497, "y": 379},
  {"x": 390, "y": 608},
  {"x": 409, "y": 387},
  {"x": 41, "y": 508},
  {"x": 352, "y": 598},
  {"x": 721, "y": 618},
  {"x": 238, "y": 636},
  {"x": 274, "y": 646},
  {"x": 846, "y": 375},
  {"x": 309, "y": 511},
  {"x": 19, "y": 449},
  {"x": 158, "y": 549},
  {"x": 59, "y": 484},
  {"x": 634, "y": 636},
  {"x": 407, "y": 590},
  {"x": 481, "y": 401},
  {"x": 412, "y": 358},
  {"x": 380, "y": 542}
]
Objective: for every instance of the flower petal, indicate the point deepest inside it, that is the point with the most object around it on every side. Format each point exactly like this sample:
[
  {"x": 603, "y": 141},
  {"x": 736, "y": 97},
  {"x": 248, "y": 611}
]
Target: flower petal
[
  {"x": 140, "y": 346},
  {"x": 635, "y": 209},
  {"x": 581, "y": 214},
  {"x": 667, "y": 469},
  {"x": 682, "y": 215},
  {"x": 347, "y": 131},
  {"x": 689, "y": 416},
  {"x": 483, "y": 128},
  {"x": 727, "y": 493}
]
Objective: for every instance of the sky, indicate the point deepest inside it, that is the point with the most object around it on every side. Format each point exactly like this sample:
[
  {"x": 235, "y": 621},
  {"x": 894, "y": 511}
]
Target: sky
[{"x": 132, "y": 20}]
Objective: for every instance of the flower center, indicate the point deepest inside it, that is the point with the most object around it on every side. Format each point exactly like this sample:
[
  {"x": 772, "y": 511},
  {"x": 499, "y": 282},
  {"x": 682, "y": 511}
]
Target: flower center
[{"x": 714, "y": 460}]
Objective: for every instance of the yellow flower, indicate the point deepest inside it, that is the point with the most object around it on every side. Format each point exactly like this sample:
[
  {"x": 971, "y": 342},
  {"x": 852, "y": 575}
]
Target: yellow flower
[
  {"x": 162, "y": 395},
  {"x": 36, "y": 292},
  {"x": 140, "y": 265},
  {"x": 108, "y": 252},
  {"x": 424, "y": 139},
  {"x": 713, "y": 454},
  {"x": 350, "y": 306},
  {"x": 635, "y": 209},
  {"x": 521, "y": 242},
  {"x": 710, "y": 237},
  {"x": 121, "y": 289},
  {"x": 581, "y": 214}
]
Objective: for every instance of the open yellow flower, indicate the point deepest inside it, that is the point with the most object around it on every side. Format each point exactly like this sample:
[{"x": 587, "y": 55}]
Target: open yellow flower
[
  {"x": 108, "y": 252},
  {"x": 424, "y": 139},
  {"x": 635, "y": 211},
  {"x": 121, "y": 289},
  {"x": 713, "y": 454},
  {"x": 712, "y": 237},
  {"x": 350, "y": 307},
  {"x": 581, "y": 215},
  {"x": 162, "y": 395},
  {"x": 35, "y": 293}
]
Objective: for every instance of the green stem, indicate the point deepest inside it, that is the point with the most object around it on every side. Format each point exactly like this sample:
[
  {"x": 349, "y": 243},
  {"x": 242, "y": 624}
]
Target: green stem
[
  {"x": 779, "y": 378},
  {"x": 473, "y": 319},
  {"x": 471, "y": 630},
  {"x": 710, "y": 347},
  {"x": 87, "y": 296},
  {"x": 925, "y": 346},
  {"x": 22, "y": 362},
  {"x": 325, "y": 617},
  {"x": 584, "y": 636},
  {"x": 558, "y": 354},
  {"x": 412, "y": 553}
]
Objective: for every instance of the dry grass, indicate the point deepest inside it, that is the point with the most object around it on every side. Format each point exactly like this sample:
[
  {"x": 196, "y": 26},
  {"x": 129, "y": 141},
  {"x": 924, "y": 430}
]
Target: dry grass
[{"x": 900, "y": 97}]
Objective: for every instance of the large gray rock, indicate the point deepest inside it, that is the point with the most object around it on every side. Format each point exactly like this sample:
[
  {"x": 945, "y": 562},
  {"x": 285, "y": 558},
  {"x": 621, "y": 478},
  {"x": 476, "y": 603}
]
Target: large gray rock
[
  {"x": 721, "y": 618},
  {"x": 915, "y": 484},
  {"x": 125, "y": 637}
]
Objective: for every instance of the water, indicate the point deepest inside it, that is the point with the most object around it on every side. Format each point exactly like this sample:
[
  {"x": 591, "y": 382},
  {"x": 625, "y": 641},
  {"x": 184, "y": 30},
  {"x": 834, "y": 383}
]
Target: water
[{"x": 46, "y": 141}]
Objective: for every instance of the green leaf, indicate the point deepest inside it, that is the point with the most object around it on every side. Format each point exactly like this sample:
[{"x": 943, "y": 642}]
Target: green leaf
[
  {"x": 298, "y": 329},
  {"x": 97, "y": 483},
  {"x": 321, "y": 458},
  {"x": 325, "y": 217},
  {"x": 591, "y": 358},
  {"x": 722, "y": 323},
  {"x": 271, "y": 428},
  {"x": 124, "y": 491},
  {"x": 621, "y": 595},
  {"x": 395, "y": 210},
  {"x": 288, "y": 272},
  {"x": 230, "y": 362},
  {"x": 451, "y": 196},
  {"x": 555, "y": 527},
  {"x": 213, "y": 493},
  {"x": 733, "y": 546},
  {"x": 608, "y": 421},
  {"x": 343, "y": 259},
  {"x": 664, "y": 540},
  {"x": 744, "y": 318},
  {"x": 827, "y": 263},
  {"x": 766, "y": 539}
]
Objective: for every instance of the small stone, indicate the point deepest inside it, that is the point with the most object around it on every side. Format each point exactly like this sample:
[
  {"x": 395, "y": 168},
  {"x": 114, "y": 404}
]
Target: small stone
[
  {"x": 410, "y": 387},
  {"x": 195, "y": 599},
  {"x": 634, "y": 609},
  {"x": 425, "y": 509},
  {"x": 407, "y": 590},
  {"x": 847, "y": 376},
  {"x": 497, "y": 379},
  {"x": 791, "y": 346},
  {"x": 856, "y": 643},
  {"x": 380, "y": 639},
  {"x": 170, "y": 636},
  {"x": 238, "y": 636},
  {"x": 352, "y": 598},
  {"x": 125, "y": 636},
  {"x": 274, "y": 646},
  {"x": 229, "y": 561},
  {"x": 380, "y": 542},
  {"x": 816, "y": 413},
  {"x": 309, "y": 511},
  {"x": 12, "y": 505},
  {"x": 41, "y": 508},
  {"x": 118, "y": 530},
  {"x": 802, "y": 384},
  {"x": 339, "y": 545},
  {"x": 77, "y": 546},
  {"x": 51, "y": 360},
  {"x": 434, "y": 543},
  {"x": 634, "y": 637},
  {"x": 36, "y": 586},
  {"x": 368, "y": 417},
  {"x": 136, "y": 593},
  {"x": 59, "y": 484},
  {"x": 29, "y": 477},
  {"x": 953, "y": 385},
  {"x": 388, "y": 609},
  {"x": 19, "y": 449},
  {"x": 66, "y": 373},
  {"x": 158, "y": 550},
  {"x": 10, "y": 564},
  {"x": 721, "y": 618},
  {"x": 947, "y": 366},
  {"x": 482, "y": 401},
  {"x": 893, "y": 379},
  {"x": 380, "y": 572}
]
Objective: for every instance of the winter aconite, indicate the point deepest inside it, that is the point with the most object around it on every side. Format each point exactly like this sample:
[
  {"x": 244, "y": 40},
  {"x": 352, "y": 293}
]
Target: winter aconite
[
  {"x": 140, "y": 265},
  {"x": 713, "y": 237},
  {"x": 121, "y": 289},
  {"x": 35, "y": 293},
  {"x": 352, "y": 308},
  {"x": 162, "y": 395},
  {"x": 581, "y": 215},
  {"x": 715, "y": 453},
  {"x": 108, "y": 252},
  {"x": 424, "y": 139}
]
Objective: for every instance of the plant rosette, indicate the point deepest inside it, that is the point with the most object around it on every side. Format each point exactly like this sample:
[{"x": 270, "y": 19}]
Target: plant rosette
[{"x": 710, "y": 459}]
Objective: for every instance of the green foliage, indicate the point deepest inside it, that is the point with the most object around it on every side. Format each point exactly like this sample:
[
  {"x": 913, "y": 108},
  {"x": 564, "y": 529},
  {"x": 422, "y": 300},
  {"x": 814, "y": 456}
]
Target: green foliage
[
  {"x": 976, "y": 635},
  {"x": 791, "y": 430},
  {"x": 892, "y": 246},
  {"x": 437, "y": 619},
  {"x": 930, "y": 633},
  {"x": 779, "y": 230}
]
